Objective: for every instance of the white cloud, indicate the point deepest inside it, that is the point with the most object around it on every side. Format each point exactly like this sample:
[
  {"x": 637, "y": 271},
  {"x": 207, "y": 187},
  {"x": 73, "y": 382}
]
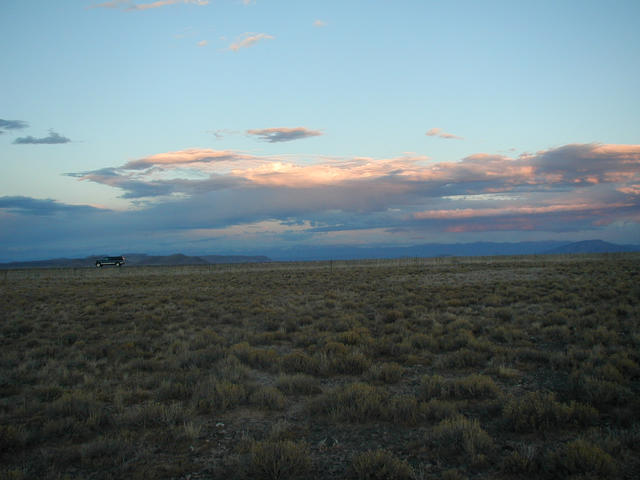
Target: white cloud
[{"x": 248, "y": 40}]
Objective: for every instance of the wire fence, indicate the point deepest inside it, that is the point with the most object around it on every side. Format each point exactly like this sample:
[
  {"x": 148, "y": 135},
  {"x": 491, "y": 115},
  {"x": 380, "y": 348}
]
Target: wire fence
[{"x": 90, "y": 272}]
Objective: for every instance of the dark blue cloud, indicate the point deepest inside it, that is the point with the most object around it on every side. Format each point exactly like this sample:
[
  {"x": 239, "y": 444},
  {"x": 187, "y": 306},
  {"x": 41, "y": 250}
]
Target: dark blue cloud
[
  {"x": 283, "y": 134},
  {"x": 54, "y": 138},
  {"x": 36, "y": 206},
  {"x": 11, "y": 125}
]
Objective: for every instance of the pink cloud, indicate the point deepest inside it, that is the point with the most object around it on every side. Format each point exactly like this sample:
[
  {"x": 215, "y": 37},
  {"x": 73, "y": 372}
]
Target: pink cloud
[
  {"x": 633, "y": 189},
  {"x": 475, "y": 174},
  {"x": 523, "y": 210},
  {"x": 513, "y": 225},
  {"x": 286, "y": 174},
  {"x": 129, "y": 5},
  {"x": 575, "y": 187},
  {"x": 437, "y": 132},
  {"x": 184, "y": 157},
  {"x": 162, "y": 3}
]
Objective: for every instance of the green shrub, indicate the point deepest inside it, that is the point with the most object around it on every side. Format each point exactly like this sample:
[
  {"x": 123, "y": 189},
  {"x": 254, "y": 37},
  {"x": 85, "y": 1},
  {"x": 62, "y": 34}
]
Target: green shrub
[
  {"x": 523, "y": 460},
  {"x": 231, "y": 369},
  {"x": 191, "y": 430},
  {"x": 172, "y": 390},
  {"x": 12, "y": 474},
  {"x": 533, "y": 411},
  {"x": 422, "y": 341},
  {"x": 201, "y": 358},
  {"x": 386, "y": 372},
  {"x": 476, "y": 386},
  {"x": 300, "y": 362},
  {"x": 462, "y": 358},
  {"x": 389, "y": 346},
  {"x": 539, "y": 410},
  {"x": 267, "y": 397},
  {"x": 469, "y": 387},
  {"x": 356, "y": 402},
  {"x": 77, "y": 404},
  {"x": 452, "y": 474},
  {"x": 402, "y": 409},
  {"x": 259, "y": 358},
  {"x": 335, "y": 348},
  {"x": 380, "y": 465},
  {"x": 435, "y": 410},
  {"x": 153, "y": 414},
  {"x": 434, "y": 386},
  {"x": 298, "y": 384},
  {"x": 458, "y": 437},
  {"x": 11, "y": 438},
  {"x": 214, "y": 395},
  {"x": 583, "y": 457},
  {"x": 355, "y": 336},
  {"x": 530, "y": 355},
  {"x": 455, "y": 340},
  {"x": 101, "y": 448},
  {"x": 279, "y": 460},
  {"x": 391, "y": 316},
  {"x": 351, "y": 363},
  {"x": 508, "y": 373},
  {"x": 599, "y": 392}
]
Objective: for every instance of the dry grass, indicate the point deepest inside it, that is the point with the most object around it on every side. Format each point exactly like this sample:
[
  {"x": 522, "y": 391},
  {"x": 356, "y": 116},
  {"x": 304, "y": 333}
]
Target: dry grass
[{"x": 422, "y": 368}]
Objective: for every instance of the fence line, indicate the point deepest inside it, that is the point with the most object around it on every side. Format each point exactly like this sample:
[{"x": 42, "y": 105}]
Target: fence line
[{"x": 330, "y": 266}]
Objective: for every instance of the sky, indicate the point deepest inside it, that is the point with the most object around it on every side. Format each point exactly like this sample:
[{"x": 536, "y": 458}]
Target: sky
[{"x": 232, "y": 126}]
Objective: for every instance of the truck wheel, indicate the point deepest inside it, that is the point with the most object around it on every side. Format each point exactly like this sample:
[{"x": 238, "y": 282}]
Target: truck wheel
[
  {"x": 117, "y": 264},
  {"x": 98, "y": 264}
]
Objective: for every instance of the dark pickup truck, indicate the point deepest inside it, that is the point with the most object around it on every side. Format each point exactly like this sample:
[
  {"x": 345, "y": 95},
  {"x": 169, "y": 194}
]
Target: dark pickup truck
[{"x": 117, "y": 261}]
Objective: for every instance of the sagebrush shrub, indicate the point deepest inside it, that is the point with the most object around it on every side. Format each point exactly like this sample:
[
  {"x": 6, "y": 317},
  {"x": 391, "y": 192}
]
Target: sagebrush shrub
[
  {"x": 380, "y": 465},
  {"x": 267, "y": 397},
  {"x": 300, "y": 362},
  {"x": 298, "y": 384},
  {"x": 279, "y": 460},
  {"x": 387, "y": 372},
  {"x": 539, "y": 410},
  {"x": 471, "y": 386},
  {"x": 583, "y": 457},
  {"x": 460, "y": 436},
  {"x": 525, "y": 459},
  {"x": 357, "y": 402}
]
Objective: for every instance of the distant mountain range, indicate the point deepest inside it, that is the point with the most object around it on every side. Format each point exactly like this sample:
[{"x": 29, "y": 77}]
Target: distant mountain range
[
  {"x": 593, "y": 246},
  {"x": 138, "y": 259},
  {"x": 449, "y": 250},
  {"x": 304, "y": 253}
]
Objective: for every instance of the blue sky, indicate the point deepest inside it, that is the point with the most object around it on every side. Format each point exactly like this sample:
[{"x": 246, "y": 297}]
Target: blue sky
[{"x": 230, "y": 125}]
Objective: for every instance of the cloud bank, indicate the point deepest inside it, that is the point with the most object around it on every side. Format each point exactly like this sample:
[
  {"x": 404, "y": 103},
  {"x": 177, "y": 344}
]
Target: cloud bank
[
  {"x": 586, "y": 183},
  {"x": 204, "y": 198}
]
